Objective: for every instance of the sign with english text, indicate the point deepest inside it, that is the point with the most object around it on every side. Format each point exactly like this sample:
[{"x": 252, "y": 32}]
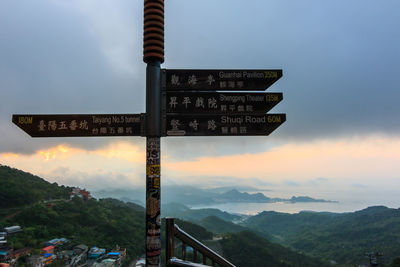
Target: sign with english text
[
  {"x": 79, "y": 125},
  {"x": 221, "y": 103},
  {"x": 222, "y": 125},
  {"x": 219, "y": 80}
]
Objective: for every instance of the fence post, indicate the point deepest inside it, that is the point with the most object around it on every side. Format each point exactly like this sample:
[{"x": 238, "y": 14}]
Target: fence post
[{"x": 169, "y": 236}]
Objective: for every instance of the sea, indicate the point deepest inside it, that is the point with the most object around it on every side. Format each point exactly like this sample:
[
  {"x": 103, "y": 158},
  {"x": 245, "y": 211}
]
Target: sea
[{"x": 288, "y": 207}]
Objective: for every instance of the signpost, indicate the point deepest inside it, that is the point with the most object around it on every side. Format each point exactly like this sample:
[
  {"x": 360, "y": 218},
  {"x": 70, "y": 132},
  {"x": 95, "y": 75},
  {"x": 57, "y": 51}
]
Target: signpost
[
  {"x": 76, "y": 125},
  {"x": 195, "y": 105},
  {"x": 224, "y": 103},
  {"x": 179, "y": 102},
  {"x": 220, "y": 80},
  {"x": 223, "y": 125}
]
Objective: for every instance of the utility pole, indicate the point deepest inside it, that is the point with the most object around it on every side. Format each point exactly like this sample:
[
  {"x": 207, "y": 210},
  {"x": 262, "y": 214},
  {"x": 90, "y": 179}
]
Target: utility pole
[{"x": 153, "y": 55}]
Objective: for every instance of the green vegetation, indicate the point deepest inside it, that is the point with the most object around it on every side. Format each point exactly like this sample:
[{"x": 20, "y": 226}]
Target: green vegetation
[
  {"x": 196, "y": 231},
  {"x": 395, "y": 262},
  {"x": 183, "y": 212},
  {"x": 248, "y": 249},
  {"x": 44, "y": 212},
  {"x": 219, "y": 226},
  {"x": 344, "y": 238},
  {"x": 281, "y": 226},
  {"x": 104, "y": 223},
  {"x": 19, "y": 188}
]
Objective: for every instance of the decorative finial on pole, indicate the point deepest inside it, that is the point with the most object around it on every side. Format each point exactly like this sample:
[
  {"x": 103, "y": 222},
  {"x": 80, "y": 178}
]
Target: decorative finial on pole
[{"x": 153, "y": 33}]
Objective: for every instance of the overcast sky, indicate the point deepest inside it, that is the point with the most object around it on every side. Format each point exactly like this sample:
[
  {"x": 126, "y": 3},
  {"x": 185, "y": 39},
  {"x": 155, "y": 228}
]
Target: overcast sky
[{"x": 340, "y": 62}]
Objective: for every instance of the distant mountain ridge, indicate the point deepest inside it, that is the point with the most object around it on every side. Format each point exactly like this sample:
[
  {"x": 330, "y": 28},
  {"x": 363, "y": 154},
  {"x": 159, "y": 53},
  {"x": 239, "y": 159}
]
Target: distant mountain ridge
[
  {"x": 236, "y": 196},
  {"x": 183, "y": 212},
  {"x": 191, "y": 196}
]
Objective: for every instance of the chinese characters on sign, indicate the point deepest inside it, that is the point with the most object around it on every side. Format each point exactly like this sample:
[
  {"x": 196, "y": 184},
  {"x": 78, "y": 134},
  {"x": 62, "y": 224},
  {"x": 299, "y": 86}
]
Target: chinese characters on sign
[
  {"x": 194, "y": 107},
  {"x": 228, "y": 125},
  {"x": 80, "y": 125},
  {"x": 220, "y": 80},
  {"x": 214, "y": 103}
]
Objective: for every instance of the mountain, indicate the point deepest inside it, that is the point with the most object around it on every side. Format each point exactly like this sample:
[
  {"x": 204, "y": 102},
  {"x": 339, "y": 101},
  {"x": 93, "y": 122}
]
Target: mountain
[
  {"x": 236, "y": 196},
  {"x": 192, "y": 196},
  {"x": 197, "y": 231},
  {"x": 103, "y": 223},
  {"x": 233, "y": 196},
  {"x": 220, "y": 226},
  {"x": 283, "y": 225},
  {"x": 248, "y": 249},
  {"x": 187, "y": 195},
  {"x": 134, "y": 195},
  {"x": 344, "y": 238},
  {"x": 240, "y": 188},
  {"x": 183, "y": 212},
  {"x": 108, "y": 222},
  {"x": 295, "y": 199},
  {"x": 19, "y": 188}
]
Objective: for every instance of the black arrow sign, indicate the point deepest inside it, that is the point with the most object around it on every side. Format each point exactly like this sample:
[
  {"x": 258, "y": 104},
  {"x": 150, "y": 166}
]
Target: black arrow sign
[
  {"x": 219, "y": 80},
  {"x": 222, "y": 125},
  {"x": 80, "y": 125},
  {"x": 221, "y": 103}
]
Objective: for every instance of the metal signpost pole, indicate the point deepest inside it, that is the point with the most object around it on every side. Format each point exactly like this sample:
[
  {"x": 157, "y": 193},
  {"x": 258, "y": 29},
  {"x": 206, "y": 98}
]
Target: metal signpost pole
[
  {"x": 153, "y": 55},
  {"x": 153, "y": 190}
]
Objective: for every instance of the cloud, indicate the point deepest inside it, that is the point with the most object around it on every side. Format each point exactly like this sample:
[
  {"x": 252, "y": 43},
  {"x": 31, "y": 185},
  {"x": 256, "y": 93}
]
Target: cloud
[
  {"x": 291, "y": 183},
  {"x": 360, "y": 186},
  {"x": 121, "y": 164},
  {"x": 184, "y": 148},
  {"x": 340, "y": 76},
  {"x": 285, "y": 169},
  {"x": 318, "y": 181},
  {"x": 117, "y": 27},
  {"x": 341, "y": 158},
  {"x": 123, "y": 151},
  {"x": 92, "y": 181},
  {"x": 60, "y": 58},
  {"x": 210, "y": 181}
]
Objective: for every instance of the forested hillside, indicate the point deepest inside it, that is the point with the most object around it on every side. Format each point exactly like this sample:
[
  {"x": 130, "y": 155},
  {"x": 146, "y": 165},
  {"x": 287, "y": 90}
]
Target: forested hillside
[
  {"x": 248, "y": 249},
  {"x": 185, "y": 213},
  {"x": 344, "y": 238},
  {"x": 103, "y": 223},
  {"x": 21, "y": 188},
  {"x": 109, "y": 222},
  {"x": 219, "y": 226}
]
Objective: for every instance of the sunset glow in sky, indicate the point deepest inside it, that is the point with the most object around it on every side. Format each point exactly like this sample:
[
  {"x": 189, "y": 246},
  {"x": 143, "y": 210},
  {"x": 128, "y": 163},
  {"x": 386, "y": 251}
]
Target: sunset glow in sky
[{"x": 340, "y": 84}]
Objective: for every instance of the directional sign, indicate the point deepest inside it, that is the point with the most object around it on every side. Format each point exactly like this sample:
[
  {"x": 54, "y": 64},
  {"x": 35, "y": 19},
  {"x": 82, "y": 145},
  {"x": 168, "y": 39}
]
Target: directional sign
[
  {"x": 80, "y": 125},
  {"x": 219, "y": 80},
  {"x": 227, "y": 125},
  {"x": 221, "y": 103}
]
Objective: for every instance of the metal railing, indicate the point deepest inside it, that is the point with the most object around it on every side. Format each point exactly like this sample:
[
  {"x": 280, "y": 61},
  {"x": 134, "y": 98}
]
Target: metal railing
[{"x": 173, "y": 231}]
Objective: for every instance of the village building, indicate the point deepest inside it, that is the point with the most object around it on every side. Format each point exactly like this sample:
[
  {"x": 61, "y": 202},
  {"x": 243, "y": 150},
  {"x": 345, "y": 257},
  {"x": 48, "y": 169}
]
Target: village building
[
  {"x": 96, "y": 252},
  {"x": 35, "y": 261},
  {"x": 47, "y": 250},
  {"x": 82, "y": 193},
  {"x": 80, "y": 249},
  {"x": 12, "y": 229}
]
